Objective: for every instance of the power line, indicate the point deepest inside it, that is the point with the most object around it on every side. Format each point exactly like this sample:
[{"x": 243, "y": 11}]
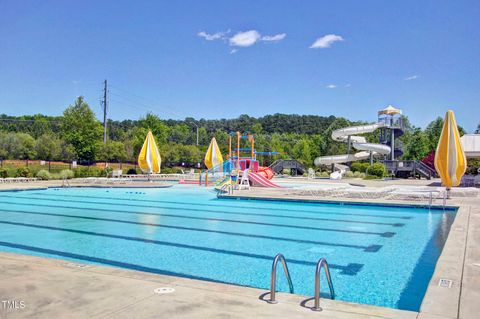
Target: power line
[
  {"x": 30, "y": 121},
  {"x": 146, "y": 102}
]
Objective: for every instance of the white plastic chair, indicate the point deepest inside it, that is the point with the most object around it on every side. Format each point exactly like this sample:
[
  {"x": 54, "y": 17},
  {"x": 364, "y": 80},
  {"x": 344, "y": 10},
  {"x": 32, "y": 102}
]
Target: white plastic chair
[{"x": 244, "y": 182}]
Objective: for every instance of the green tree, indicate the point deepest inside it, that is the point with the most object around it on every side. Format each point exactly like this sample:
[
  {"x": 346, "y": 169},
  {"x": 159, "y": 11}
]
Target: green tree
[
  {"x": 81, "y": 129},
  {"x": 302, "y": 151},
  {"x": 111, "y": 151},
  {"x": 17, "y": 146},
  {"x": 48, "y": 147},
  {"x": 67, "y": 152},
  {"x": 418, "y": 145}
]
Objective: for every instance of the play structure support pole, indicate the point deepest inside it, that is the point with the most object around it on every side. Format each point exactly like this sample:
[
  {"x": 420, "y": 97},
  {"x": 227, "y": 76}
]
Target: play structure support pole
[
  {"x": 253, "y": 149},
  {"x": 206, "y": 179},
  {"x": 371, "y": 158},
  {"x": 238, "y": 149},
  {"x": 230, "y": 147},
  {"x": 392, "y": 145},
  {"x": 349, "y": 145}
]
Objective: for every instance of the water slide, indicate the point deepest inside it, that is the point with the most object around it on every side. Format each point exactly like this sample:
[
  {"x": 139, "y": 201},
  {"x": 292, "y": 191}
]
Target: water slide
[
  {"x": 259, "y": 180},
  {"x": 358, "y": 142}
]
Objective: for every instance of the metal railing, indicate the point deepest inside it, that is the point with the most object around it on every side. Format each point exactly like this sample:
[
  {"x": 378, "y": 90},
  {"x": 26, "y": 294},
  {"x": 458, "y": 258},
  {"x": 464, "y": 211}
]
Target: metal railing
[
  {"x": 322, "y": 263},
  {"x": 273, "y": 280}
]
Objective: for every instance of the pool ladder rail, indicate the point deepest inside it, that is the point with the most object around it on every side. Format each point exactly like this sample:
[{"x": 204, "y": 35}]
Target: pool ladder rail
[
  {"x": 273, "y": 278},
  {"x": 322, "y": 263}
]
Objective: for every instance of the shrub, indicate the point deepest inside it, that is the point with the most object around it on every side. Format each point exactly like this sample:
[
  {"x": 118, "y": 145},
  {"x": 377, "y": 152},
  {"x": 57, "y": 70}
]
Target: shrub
[
  {"x": 325, "y": 174},
  {"x": 67, "y": 174},
  {"x": 376, "y": 169},
  {"x": 86, "y": 171},
  {"x": 43, "y": 174},
  {"x": 473, "y": 166},
  {"x": 3, "y": 173},
  {"x": 23, "y": 172},
  {"x": 357, "y": 174},
  {"x": 348, "y": 174},
  {"x": 132, "y": 171},
  {"x": 371, "y": 177},
  {"x": 359, "y": 167},
  {"x": 171, "y": 170}
]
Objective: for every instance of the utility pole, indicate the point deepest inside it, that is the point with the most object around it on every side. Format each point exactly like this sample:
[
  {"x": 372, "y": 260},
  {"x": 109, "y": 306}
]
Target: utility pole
[
  {"x": 105, "y": 112},
  {"x": 196, "y": 126}
]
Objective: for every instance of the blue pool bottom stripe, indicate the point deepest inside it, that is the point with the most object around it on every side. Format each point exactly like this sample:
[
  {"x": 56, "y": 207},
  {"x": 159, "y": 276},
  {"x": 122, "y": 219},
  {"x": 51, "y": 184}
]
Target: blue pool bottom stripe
[
  {"x": 369, "y": 248},
  {"x": 382, "y": 234},
  {"x": 351, "y": 269}
]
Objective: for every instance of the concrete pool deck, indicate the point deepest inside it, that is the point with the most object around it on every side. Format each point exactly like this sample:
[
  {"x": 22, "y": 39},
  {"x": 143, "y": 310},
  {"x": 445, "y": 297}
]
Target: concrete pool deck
[{"x": 51, "y": 288}]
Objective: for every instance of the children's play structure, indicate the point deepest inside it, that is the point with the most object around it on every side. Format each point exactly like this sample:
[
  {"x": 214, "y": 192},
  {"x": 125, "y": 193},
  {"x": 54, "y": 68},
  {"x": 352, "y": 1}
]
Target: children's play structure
[
  {"x": 391, "y": 126},
  {"x": 241, "y": 165}
]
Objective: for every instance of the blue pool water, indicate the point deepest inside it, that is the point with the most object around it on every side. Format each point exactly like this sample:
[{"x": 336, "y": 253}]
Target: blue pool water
[{"x": 378, "y": 255}]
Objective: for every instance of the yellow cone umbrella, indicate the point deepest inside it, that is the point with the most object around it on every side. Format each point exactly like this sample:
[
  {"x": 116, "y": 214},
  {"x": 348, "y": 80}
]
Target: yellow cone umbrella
[
  {"x": 450, "y": 160},
  {"x": 149, "y": 158},
  {"x": 213, "y": 157}
]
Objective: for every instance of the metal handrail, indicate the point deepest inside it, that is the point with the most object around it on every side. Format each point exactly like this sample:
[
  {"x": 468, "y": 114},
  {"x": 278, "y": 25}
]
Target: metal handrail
[
  {"x": 322, "y": 263},
  {"x": 273, "y": 280}
]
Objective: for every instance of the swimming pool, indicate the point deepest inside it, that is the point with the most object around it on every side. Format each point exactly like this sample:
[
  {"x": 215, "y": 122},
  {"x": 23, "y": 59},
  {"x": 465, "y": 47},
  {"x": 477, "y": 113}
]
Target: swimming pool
[{"x": 378, "y": 255}]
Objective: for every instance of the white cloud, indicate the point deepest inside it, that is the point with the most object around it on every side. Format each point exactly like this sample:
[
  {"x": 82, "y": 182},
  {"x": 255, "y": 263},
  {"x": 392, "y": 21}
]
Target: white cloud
[
  {"x": 242, "y": 39},
  {"x": 325, "y": 41},
  {"x": 245, "y": 39},
  {"x": 331, "y": 86},
  {"x": 412, "y": 77},
  {"x": 213, "y": 36},
  {"x": 274, "y": 38}
]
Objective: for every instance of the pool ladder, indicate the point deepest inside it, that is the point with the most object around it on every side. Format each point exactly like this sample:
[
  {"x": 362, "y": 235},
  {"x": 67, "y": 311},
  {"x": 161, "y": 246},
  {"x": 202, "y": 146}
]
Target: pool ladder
[{"x": 322, "y": 263}]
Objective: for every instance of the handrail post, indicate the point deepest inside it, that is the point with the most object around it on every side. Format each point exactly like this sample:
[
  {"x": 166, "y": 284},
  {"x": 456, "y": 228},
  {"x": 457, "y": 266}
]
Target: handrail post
[
  {"x": 273, "y": 279},
  {"x": 322, "y": 263}
]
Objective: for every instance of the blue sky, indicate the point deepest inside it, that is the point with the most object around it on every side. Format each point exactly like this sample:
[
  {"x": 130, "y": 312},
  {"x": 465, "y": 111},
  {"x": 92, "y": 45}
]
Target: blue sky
[{"x": 197, "y": 58}]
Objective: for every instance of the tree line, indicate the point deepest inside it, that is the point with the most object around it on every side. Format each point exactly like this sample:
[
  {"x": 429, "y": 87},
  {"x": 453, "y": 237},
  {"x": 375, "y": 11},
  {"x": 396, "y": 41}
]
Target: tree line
[{"x": 78, "y": 135}]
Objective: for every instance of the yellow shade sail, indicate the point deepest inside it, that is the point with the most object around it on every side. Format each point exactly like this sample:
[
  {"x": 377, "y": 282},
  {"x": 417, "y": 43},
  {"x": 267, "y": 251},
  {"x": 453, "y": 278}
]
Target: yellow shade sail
[
  {"x": 213, "y": 157},
  {"x": 450, "y": 160},
  {"x": 149, "y": 159}
]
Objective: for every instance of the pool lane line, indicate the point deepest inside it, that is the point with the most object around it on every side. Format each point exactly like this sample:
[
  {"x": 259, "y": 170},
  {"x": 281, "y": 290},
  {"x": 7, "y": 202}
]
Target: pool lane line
[
  {"x": 350, "y": 269},
  {"x": 381, "y": 234},
  {"x": 220, "y": 212},
  {"x": 104, "y": 261},
  {"x": 370, "y": 248},
  {"x": 220, "y": 205}
]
